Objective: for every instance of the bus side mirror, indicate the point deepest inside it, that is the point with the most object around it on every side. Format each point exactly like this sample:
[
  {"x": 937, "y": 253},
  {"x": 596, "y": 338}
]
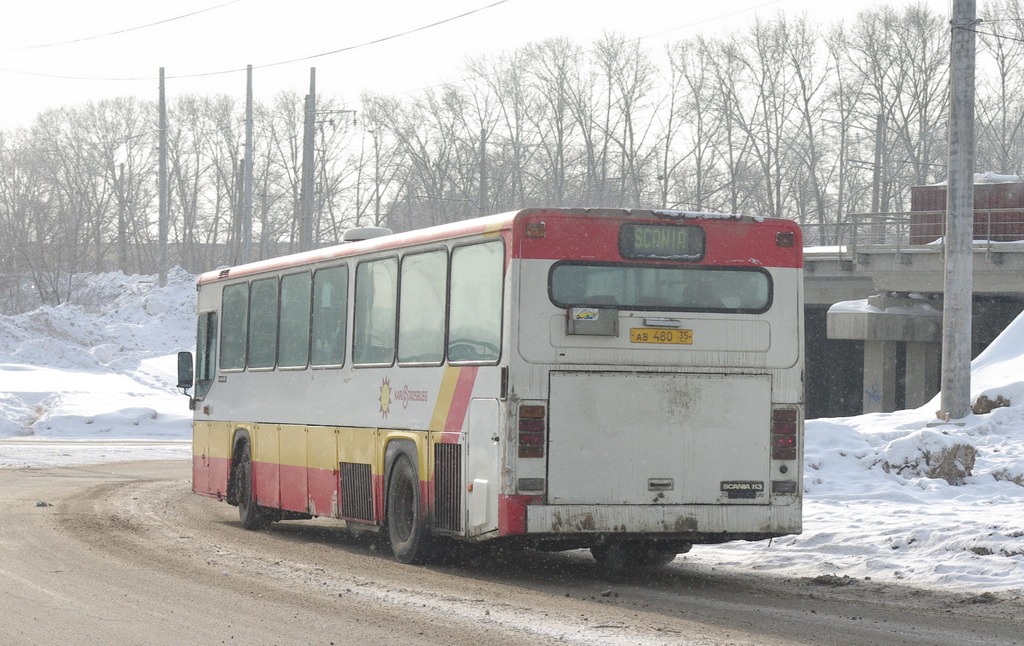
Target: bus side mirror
[{"x": 185, "y": 375}]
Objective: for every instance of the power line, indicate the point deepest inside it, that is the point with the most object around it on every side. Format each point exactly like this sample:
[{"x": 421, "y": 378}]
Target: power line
[
  {"x": 712, "y": 19},
  {"x": 300, "y": 59},
  {"x": 118, "y": 32},
  {"x": 996, "y": 36},
  {"x": 738, "y": 12}
]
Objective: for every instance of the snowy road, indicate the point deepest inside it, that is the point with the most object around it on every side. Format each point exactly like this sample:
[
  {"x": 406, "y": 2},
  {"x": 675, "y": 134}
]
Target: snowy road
[{"x": 123, "y": 553}]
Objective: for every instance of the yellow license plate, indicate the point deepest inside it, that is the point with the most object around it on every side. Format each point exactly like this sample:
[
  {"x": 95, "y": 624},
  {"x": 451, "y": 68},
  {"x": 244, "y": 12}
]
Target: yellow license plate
[{"x": 658, "y": 335}]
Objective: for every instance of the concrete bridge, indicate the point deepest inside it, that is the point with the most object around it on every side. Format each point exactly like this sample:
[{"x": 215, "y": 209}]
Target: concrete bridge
[{"x": 874, "y": 317}]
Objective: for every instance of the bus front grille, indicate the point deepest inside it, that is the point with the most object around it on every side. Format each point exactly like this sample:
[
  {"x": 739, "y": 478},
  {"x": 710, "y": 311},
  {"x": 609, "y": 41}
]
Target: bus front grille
[
  {"x": 448, "y": 487},
  {"x": 356, "y": 491}
]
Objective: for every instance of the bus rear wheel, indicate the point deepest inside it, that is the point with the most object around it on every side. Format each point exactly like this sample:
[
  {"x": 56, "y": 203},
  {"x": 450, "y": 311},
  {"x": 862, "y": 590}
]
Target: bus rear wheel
[
  {"x": 407, "y": 527},
  {"x": 251, "y": 514}
]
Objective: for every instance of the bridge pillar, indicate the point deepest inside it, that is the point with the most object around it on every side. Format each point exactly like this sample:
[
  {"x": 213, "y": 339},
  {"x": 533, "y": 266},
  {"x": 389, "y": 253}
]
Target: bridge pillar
[
  {"x": 923, "y": 368},
  {"x": 887, "y": 323},
  {"x": 880, "y": 361}
]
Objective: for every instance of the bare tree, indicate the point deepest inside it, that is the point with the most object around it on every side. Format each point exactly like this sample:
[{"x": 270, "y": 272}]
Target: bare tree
[
  {"x": 696, "y": 125},
  {"x": 1000, "y": 104},
  {"x": 904, "y": 62},
  {"x": 801, "y": 43},
  {"x": 734, "y": 144},
  {"x": 551, "y": 66},
  {"x": 628, "y": 113},
  {"x": 25, "y": 217},
  {"x": 382, "y": 173}
]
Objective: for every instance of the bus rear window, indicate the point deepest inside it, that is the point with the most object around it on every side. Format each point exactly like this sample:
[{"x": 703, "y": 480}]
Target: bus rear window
[{"x": 737, "y": 290}]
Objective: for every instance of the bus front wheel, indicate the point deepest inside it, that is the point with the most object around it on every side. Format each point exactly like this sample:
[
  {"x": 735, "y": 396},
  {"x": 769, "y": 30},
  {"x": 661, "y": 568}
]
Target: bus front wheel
[
  {"x": 407, "y": 527},
  {"x": 252, "y": 515}
]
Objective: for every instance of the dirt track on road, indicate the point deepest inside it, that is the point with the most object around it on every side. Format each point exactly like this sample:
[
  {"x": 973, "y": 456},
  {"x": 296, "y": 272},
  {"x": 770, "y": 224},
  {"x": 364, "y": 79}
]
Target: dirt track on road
[{"x": 125, "y": 554}]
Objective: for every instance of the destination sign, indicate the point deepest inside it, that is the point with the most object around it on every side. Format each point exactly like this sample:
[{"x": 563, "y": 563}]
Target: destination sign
[{"x": 655, "y": 241}]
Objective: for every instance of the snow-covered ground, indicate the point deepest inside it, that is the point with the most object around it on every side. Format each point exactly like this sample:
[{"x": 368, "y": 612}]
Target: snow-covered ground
[{"x": 94, "y": 381}]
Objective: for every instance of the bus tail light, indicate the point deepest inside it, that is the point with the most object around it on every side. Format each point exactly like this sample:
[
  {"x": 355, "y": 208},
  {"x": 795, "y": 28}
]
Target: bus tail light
[
  {"x": 532, "y": 424},
  {"x": 536, "y": 229},
  {"x": 784, "y": 425}
]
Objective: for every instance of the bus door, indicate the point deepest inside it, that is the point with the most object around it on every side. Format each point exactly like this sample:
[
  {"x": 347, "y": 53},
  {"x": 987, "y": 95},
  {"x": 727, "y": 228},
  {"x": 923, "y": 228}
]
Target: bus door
[
  {"x": 658, "y": 438},
  {"x": 482, "y": 444}
]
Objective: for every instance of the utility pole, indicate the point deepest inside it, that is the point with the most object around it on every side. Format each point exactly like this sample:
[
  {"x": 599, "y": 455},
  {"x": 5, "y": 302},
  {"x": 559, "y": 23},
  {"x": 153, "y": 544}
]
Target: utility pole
[
  {"x": 958, "y": 288},
  {"x": 307, "y": 198},
  {"x": 485, "y": 203},
  {"x": 163, "y": 225},
  {"x": 247, "y": 172}
]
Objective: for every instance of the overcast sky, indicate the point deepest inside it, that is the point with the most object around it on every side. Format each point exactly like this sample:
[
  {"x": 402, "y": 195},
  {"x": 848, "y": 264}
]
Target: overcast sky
[{"x": 66, "y": 52}]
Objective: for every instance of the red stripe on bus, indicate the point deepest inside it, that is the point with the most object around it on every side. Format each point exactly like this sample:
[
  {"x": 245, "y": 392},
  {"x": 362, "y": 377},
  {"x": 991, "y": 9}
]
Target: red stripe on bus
[
  {"x": 267, "y": 483},
  {"x": 210, "y": 476},
  {"x": 294, "y": 496},
  {"x": 323, "y": 490},
  {"x": 485, "y": 225},
  {"x": 731, "y": 241},
  {"x": 460, "y": 400},
  {"x": 512, "y": 513}
]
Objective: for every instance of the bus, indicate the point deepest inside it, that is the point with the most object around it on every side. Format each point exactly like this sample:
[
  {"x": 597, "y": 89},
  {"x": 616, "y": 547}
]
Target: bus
[{"x": 624, "y": 381}]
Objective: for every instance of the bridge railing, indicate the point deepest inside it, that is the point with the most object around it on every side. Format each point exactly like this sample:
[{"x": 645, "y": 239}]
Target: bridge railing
[{"x": 903, "y": 230}]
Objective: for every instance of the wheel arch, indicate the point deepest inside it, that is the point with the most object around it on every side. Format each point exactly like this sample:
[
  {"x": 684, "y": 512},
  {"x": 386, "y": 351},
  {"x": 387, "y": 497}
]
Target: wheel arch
[
  {"x": 239, "y": 438},
  {"x": 395, "y": 448}
]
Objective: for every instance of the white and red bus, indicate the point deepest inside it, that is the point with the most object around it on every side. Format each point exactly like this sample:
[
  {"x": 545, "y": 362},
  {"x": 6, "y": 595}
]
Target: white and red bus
[{"x": 628, "y": 381}]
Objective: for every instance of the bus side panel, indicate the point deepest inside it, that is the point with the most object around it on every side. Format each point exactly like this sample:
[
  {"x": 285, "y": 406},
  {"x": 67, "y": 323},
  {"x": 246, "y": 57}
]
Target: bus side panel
[
  {"x": 211, "y": 459},
  {"x": 358, "y": 446},
  {"x": 294, "y": 492},
  {"x": 201, "y": 458},
  {"x": 266, "y": 469},
  {"x": 322, "y": 470}
]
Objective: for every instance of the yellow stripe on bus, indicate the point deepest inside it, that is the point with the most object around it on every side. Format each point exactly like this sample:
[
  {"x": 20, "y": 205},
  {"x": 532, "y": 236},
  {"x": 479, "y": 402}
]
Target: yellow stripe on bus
[
  {"x": 493, "y": 229},
  {"x": 445, "y": 395}
]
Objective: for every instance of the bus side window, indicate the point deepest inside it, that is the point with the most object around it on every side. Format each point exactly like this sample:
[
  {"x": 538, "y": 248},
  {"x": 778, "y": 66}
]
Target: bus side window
[
  {"x": 293, "y": 342},
  {"x": 474, "y": 319},
  {"x": 206, "y": 353},
  {"x": 234, "y": 326},
  {"x": 376, "y": 305},
  {"x": 422, "y": 307},
  {"x": 263, "y": 323},
  {"x": 330, "y": 316}
]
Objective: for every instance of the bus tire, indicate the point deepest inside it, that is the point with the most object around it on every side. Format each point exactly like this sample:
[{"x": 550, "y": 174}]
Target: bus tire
[
  {"x": 406, "y": 524},
  {"x": 251, "y": 514}
]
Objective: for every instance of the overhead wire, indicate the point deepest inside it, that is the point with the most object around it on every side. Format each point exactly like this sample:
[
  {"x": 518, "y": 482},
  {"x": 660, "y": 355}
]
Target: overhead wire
[
  {"x": 375, "y": 41},
  {"x": 117, "y": 32}
]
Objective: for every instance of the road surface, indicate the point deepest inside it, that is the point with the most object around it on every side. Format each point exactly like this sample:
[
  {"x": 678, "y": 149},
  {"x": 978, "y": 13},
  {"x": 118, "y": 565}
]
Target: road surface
[{"x": 124, "y": 554}]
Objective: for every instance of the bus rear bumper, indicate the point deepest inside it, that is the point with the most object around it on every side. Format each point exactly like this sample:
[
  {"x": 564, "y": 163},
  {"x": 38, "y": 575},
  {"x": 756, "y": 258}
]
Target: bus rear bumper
[{"x": 699, "y": 523}]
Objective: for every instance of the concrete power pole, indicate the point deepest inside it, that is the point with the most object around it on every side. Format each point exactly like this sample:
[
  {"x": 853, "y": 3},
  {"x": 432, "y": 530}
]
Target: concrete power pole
[
  {"x": 956, "y": 309},
  {"x": 163, "y": 224},
  {"x": 308, "y": 172},
  {"x": 247, "y": 172},
  {"x": 485, "y": 202}
]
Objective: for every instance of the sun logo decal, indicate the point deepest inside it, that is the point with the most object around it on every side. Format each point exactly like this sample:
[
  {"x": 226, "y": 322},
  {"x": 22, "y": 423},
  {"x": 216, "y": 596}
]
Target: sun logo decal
[{"x": 385, "y": 398}]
